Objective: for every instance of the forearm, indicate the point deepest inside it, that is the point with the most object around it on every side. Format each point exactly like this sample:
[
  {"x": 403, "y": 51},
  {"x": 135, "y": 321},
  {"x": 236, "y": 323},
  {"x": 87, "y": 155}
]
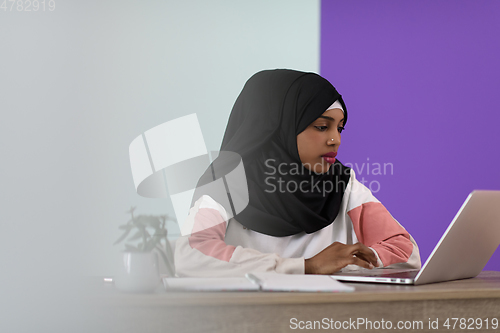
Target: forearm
[
  {"x": 192, "y": 262},
  {"x": 205, "y": 253}
]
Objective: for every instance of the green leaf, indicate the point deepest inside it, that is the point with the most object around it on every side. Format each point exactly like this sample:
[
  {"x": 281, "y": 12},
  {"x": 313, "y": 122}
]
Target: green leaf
[
  {"x": 152, "y": 243},
  {"x": 125, "y": 227},
  {"x": 122, "y": 237},
  {"x": 168, "y": 263},
  {"x": 148, "y": 220},
  {"x": 153, "y": 221},
  {"x": 160, "y": 233},
  {"x": 169, "y": 254},
  {"x": 168, "y": 249},
  {"x": 143, "y": 221},
  {"x": 137, "y": 235},
  {"x": 171, "y": 218},
  {"x": 131, "y": 248},
  {"x": 131, "y": 210}
]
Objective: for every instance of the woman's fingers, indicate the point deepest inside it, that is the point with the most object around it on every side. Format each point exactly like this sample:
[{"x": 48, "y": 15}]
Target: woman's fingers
[
  {"x": 337, "y": 256},
  {"x": 362, "y": 251},
  {"x": 370, "y": 260},
  {"x": 362, "y": 263}
]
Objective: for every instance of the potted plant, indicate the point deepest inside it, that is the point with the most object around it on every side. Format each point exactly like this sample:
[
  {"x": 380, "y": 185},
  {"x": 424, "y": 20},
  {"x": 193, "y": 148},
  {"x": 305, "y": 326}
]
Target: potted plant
[{"x": 140, "y": 269}]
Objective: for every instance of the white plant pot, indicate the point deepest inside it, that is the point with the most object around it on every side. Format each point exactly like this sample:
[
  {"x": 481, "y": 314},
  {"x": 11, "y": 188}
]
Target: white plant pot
[{"x": 138, "y": 272}]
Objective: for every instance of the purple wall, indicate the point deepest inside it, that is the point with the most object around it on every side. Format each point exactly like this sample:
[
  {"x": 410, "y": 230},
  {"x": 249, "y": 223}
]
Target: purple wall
[{"x": 421, "y": 81}]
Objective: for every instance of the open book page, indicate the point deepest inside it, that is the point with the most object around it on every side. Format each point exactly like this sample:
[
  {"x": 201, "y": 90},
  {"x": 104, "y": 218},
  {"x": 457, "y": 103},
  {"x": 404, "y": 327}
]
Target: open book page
[
  {"x": 297, "y": 282},
  {"x": 210, "y": 284},
  {"x": 259, "y": 281}
]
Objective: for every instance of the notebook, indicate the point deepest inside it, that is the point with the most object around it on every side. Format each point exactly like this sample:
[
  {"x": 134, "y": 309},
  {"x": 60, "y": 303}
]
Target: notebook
[
  {"x": 259, "y": 282},
  {"x": 462, "y": 252}
]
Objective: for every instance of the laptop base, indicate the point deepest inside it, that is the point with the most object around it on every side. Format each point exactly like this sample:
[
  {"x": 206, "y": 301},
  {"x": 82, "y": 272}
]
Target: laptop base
[{"x": 379, "y": 276}]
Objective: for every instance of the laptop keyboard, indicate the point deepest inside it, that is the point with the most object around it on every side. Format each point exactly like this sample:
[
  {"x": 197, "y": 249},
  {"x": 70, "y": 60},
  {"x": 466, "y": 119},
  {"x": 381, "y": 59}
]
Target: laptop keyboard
[{"x": 401, "y": 275}]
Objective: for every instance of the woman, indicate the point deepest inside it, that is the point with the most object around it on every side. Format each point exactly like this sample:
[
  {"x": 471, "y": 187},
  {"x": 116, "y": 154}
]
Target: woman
[{"x": 307, "y": 213}]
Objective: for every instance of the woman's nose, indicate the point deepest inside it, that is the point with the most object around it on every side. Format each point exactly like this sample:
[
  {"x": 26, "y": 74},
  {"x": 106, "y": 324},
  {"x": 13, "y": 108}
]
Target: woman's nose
[{"x": 334, "y": 139}]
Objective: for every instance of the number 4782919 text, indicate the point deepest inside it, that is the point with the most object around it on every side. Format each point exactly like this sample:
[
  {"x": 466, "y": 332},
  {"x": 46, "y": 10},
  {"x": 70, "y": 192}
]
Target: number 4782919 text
[{"x": 27, "y": 5}]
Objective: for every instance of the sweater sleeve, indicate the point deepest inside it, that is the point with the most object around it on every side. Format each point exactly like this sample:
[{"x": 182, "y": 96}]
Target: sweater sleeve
[
  {"x": 204, "y": 252},
  {"x": 375, "y": 227}
]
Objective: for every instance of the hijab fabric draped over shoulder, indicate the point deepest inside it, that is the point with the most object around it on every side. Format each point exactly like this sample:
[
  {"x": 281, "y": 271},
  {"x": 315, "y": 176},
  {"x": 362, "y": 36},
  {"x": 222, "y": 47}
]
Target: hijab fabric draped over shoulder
[{"x": 285, "y": 198}]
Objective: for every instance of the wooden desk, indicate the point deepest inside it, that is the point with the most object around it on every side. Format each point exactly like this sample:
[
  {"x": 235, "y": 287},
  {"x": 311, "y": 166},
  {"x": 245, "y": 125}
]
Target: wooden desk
[{"x": 479, "y": 297}]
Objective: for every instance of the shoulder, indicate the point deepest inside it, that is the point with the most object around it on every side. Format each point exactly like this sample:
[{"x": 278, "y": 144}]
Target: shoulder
[
  {"x": 207, "y": 202},
  {"x": 357, "y": 193},
  {"x": 204, "y": 213}
]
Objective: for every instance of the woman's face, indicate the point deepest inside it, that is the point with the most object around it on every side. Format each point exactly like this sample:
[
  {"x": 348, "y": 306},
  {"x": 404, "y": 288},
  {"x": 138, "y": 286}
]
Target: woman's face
[{"x": 316, "y": 148}]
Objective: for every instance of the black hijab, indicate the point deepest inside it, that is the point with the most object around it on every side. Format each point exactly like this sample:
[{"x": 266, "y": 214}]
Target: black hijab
[{"x": 271, "y": 110}]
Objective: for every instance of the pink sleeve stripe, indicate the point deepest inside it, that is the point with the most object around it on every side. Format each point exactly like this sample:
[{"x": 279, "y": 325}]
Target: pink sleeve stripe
[
  {"x": 375, "y": 227},
  {"x": 208, "y": 235},
  {"x": 394, "y": 251}
]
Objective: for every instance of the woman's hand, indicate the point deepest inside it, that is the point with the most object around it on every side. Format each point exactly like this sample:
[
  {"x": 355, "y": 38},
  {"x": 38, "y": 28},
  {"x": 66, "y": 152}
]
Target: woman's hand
[{"x": 337, "y": 256}]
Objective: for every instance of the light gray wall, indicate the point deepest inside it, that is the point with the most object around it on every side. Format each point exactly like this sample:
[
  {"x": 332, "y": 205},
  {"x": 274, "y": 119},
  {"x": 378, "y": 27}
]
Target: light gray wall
[{"x": 79, "y": 83}]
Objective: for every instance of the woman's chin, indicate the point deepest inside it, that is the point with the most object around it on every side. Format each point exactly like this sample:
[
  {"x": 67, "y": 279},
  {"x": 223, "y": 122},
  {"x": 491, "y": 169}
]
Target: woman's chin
[{"x": 323, "y": 168}]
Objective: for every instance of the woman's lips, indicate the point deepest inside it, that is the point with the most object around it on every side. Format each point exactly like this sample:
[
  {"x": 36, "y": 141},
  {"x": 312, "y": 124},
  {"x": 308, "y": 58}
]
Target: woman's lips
[
  {"x": 330, "y": 160},
  {"x": 330, "y": 157}
]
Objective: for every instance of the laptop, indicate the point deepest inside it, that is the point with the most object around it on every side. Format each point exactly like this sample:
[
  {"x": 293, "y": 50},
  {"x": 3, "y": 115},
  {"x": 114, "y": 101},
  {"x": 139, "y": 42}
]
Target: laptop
[{"x": 462, "y": 252}]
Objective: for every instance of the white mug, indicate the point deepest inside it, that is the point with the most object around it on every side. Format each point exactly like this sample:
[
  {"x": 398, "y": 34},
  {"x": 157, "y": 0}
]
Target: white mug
[{"x": 138, "y": 272}]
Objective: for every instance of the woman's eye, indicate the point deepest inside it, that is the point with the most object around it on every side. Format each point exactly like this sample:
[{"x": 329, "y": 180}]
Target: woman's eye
[
  {"x": 340, "y": 129},
  {"x": 322, "y": 128}
]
